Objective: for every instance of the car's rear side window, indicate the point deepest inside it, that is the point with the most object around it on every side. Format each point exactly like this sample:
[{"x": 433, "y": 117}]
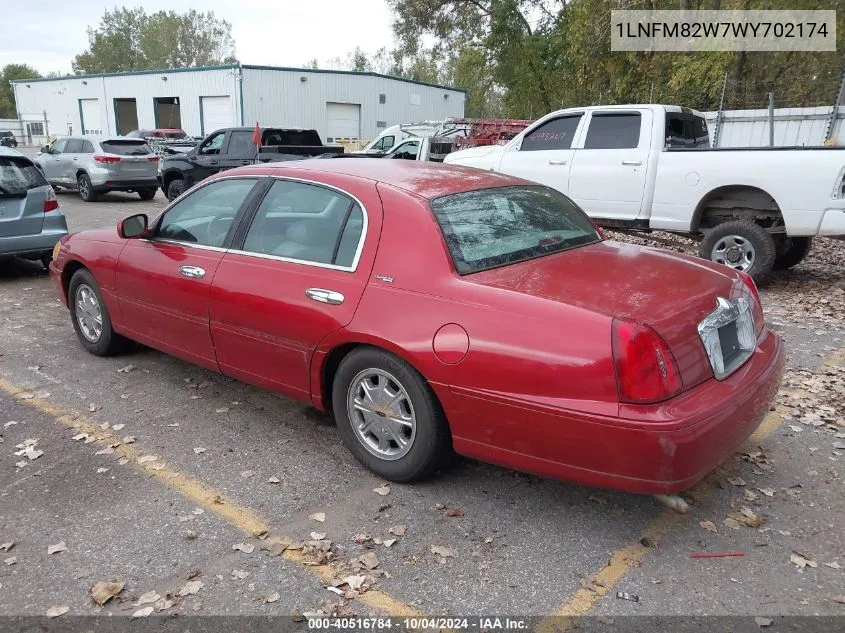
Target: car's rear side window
[
  {"x": 126, "y": 147},
  {"x": 504, "y": 225},
  {"x": 613, "y": 131},
  {"x": 17, "y": 176}
]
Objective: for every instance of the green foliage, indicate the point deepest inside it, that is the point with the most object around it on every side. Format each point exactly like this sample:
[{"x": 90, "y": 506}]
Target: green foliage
[
  {"x": 130, "y": 39},
  {"x": 7, "y": 96}
]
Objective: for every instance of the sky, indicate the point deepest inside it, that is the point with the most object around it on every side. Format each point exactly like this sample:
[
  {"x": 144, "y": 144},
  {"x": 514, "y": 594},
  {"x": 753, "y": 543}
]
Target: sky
[{"x": 47, "y": 34}]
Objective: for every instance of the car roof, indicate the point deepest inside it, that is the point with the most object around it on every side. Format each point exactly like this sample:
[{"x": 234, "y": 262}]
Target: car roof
[
  {"x": 99, "y": 138},
  {"x": 9, "y": 152},
  {"x": 422, "y": 178}
]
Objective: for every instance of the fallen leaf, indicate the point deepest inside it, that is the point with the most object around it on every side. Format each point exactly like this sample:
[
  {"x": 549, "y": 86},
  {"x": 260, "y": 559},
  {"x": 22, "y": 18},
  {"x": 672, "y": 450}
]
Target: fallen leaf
[
  {"x": 246, "y": 548},
  {"x": 105, "y": 451},
  {"x": 833, "y": 565},
  {"x": 10, "y": 423},
  {"x": 767, "y": 491},
  {"x": 56, "y": 611},
  {"x": 239, "y": 574},
  {"x": 454, "y": 512},
  {"x": 199, "y": 450},
  {"x": 190, "y": 535},
  {"x": 5, "y": 547},
  {"x": 104, "y": 591},
  {"x": 102, "y": 470},
  {"x": 763, "y": 622},
  {"x": 222, "y": 410},
  {"x": 43, "y": 395},
  {"x": 389, "y": 542},
  {"x": 318, "y": 536},
  {"x": 398, "y": 530},
  {"x": 163, "y": 603},
  {"x": 247, "y": 474},
  {"x": 444, "y": 552},
  {"x": 709, "y": 526},
  {"x": 143, "y": 613},
  {"x": 58, "y": 547},
  {"x": 382, "y": 490},
  {"x": 94, "y": 407},
  {"x": 191, "y": 587},
  {"x": 11, "y": 560},
  {"x": 802, "y": 561},
  {"x": 147, "y": 458},
  {"x": 369, "y": 560},
  {"x": 839, "y": 599},
  {"x": 129, "y": 439},
  {"x": 732, "y": 523},
  {"x": 117, "y": 427},
  {"x": 276, "y": 549},
  {"x": 736, "y": 481},
  {"x": 146, "y": 598},
  {"x": 273, "y": 597},
  {"x": 318, "y": 516},
  {"x": 80, "y": 436},
  {"x": 750, "y": 519},
  {"x": 355, "y": 582},
  {"x": 123, "y": 461},
  {"x": 489, "y": 539},
  {"x": 104, "y": 426},
  {"x": 126, "y": 370},
  {"x": 274, "y": 480}
]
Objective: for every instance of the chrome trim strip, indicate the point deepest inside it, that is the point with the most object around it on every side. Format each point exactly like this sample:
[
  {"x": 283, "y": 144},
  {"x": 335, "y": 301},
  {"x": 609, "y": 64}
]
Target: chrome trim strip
[
  {"x": 201, "y": 247},
  {"x": 359, "y": 249}
]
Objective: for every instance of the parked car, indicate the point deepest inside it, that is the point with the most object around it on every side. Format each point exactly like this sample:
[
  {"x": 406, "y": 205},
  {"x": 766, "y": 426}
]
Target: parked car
[
  {"x": 233, "y": 147},
  {"x": 31, "y": 222},
  {"x": 391, "y": 137},
  {"x": 95, "y": 165},
  {"x": 646, "y": 167},
  {"x": 7, "y": 139},
  {"x": 433, "y": 307},
  {"x": 162, "y": 133}
]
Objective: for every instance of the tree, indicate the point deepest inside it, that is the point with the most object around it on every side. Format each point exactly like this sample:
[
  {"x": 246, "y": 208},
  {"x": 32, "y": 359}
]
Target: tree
[
  {"x": 130, "y": 39},
  {"x": 7, "y": 96},
  {"x": 312, "y": 63}
]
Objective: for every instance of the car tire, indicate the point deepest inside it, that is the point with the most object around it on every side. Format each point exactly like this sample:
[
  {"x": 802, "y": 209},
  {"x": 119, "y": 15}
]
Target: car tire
[
  {"x": 85, "y": 188},
  {"x": 84, "y": 290},
  {"x": 742, "y": 245},
  {"x": 147, "y": 194},
  {"x": 175, "y": 189},
  {"x": 46, "y": 258},
  {"x": 429, "y": 443},
  {"x": 796, "y": 249}
]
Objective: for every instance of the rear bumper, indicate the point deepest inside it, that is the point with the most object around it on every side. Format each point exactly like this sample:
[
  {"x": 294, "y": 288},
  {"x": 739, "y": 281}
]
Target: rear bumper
[
  {"x": 126, "y": 185},
  {"x": 663, "y": 448},
  {"x": 829, "y": 221},
  {"x": 35, "y": 245}
]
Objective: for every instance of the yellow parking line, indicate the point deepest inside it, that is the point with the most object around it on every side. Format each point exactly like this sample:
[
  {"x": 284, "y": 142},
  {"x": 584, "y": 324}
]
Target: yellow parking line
[
  {"x": 586, "y": 597},
  {"x": 197, "y": 492}
]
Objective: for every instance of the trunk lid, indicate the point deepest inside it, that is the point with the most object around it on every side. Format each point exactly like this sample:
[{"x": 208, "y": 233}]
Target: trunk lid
[
  {"x": 23, "y": 191},
  {"x": 134, "y": 163},
  {"x": 670, "y": 292}
]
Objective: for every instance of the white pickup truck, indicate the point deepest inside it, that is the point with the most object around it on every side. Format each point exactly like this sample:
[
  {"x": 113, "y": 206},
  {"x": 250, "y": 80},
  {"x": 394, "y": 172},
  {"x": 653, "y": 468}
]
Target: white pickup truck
[{"x": 649, "y": 167}]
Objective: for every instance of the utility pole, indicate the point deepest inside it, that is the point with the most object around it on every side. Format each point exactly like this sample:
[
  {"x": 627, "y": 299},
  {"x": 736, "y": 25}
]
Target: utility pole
[
  {"x": 719, "y": 114},
  {"x": 771, "y": 119},
  {"x": 834, "y": 111}
]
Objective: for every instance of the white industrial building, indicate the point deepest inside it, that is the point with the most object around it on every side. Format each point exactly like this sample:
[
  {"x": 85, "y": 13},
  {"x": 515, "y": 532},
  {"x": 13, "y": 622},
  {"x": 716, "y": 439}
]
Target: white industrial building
[{"x": 340, "y": 105}]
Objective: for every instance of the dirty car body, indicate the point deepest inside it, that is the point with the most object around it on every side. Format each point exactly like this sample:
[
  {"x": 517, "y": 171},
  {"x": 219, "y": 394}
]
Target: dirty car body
[{"x": 448, "y": 308}]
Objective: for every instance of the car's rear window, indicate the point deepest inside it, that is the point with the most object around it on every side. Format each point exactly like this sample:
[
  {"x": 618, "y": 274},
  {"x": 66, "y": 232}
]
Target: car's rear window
[
  {"x": 126, "y": 148},
  {"x": 17, "y": 176},
  {"x": 504, "y": 225},
  {"x": 302, "y": 138}
]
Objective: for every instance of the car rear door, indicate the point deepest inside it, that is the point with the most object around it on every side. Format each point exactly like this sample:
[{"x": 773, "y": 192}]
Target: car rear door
[
  {"x": 23, "y": 191},
  {"x": 297, "y": 275},
  {"x": 135, "y": 159},
  {"x": 163, "y": 282},
  {"x": 608, "y": 176},
  {"x": 70, "y": 159},
  {"x": 545, "y": 153}
]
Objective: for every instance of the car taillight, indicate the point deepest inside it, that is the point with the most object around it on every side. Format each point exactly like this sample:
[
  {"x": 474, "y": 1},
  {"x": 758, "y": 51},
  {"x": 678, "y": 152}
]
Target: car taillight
[
  {"x": 756, "y": 305},
  {"x": 107, "y": 159},
  {"x": 152, "y": 159},
  {"x": 50, "y": 203},
  {"x": 645, "y": 368}
]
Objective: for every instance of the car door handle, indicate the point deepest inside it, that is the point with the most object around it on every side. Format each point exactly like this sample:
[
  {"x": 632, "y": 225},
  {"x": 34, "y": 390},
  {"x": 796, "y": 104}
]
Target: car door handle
[
  {"x": 75, "y": 158},
  {"x": 246, "y": 162},
  {"x": 557, "y": 162},
  {"x": 632, "y": 162},
  {"x": 194, "y": 272},
  {"x": 324, "y": 296}
]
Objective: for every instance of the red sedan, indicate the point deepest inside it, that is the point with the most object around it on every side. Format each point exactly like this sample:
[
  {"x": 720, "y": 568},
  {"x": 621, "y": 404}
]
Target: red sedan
[{"x": 434, "y": 307}]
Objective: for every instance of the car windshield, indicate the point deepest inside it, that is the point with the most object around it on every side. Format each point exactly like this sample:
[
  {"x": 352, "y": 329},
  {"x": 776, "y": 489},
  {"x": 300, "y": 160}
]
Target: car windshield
[
  {"x": 504, "y": 225},
  {"x": 17, "y": 176},
  {"x": 126, "y": 148},
  {"x": 174, "y": 134}
]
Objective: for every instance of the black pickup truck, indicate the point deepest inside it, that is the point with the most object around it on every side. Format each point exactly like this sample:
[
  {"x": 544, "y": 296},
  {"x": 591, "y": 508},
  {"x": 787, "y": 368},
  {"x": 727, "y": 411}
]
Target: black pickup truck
[{"x": 233, "y": 147}]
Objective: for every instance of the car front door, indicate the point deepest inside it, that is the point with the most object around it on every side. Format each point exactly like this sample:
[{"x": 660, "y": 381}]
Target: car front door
[
  {"x": 163, "y": 282},
  {"x": 297, "y": 275},
  {"x": 207, "y": 158},
  {"x": 52, "y": 163},
  {"x": 545, "y": 153},
  {"x": 239, "y": 150},
  {"x": 407, "y": 150},
  {"x": 608, "y": 176}
]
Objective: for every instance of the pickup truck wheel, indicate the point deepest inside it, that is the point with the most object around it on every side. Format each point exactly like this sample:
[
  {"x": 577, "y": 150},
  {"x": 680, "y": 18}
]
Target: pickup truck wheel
[
  {"x": 796, "y": 249},
  {"x": 388, "y": 416},
  {"x": 742, "y": 245},
  {"x": 175, "y": 189},
  {"x": 147, "y": 194}
]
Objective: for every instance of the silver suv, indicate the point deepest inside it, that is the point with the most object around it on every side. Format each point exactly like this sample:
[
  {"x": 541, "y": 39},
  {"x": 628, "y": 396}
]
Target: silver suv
[
  {"x": 93, "y": 165},
  {"x": 31, "y": 222}
]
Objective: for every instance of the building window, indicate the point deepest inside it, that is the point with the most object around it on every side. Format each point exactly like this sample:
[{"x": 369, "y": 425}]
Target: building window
[
  {"x": 35, "y": 129},
  {"x": 381, "y": 123},
  {"x": 382, "y": 98}
]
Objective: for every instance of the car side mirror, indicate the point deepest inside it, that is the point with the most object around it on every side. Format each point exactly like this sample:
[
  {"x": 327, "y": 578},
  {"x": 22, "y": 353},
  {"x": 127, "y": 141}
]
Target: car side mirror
[
  {"x": 134, "y": 226},
  {"x": 45, "y": 149}
]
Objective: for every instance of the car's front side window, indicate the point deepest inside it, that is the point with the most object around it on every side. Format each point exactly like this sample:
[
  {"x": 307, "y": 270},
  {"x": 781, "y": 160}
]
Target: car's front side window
[
  {"x": 306, "y": 222},
  {"x": 504, "y": 225},
  {"x": 213, "y": 145},
  {"x": 205, "y": 216}
]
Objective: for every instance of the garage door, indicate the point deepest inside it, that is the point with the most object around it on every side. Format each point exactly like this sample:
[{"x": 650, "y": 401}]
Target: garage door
[
  {"x": 344, "y": 121},
  {"x": 216, "y": 113},
  {"x": 89, "y": 110}
]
